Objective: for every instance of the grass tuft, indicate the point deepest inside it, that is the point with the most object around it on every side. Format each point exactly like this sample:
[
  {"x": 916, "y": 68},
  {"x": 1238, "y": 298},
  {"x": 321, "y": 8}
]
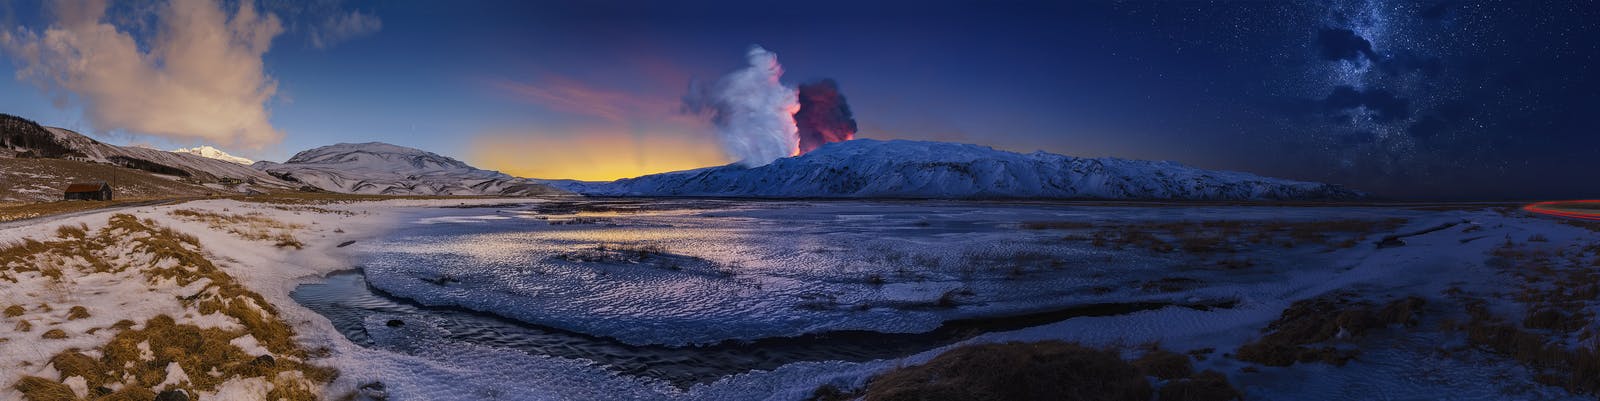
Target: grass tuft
[
  {"x": 72, "y": 363},
  {"x": 34, "y": 388},
  {"x": 77, "y": 312}
]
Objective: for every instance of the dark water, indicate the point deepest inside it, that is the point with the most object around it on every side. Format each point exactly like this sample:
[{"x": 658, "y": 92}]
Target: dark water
[{"x": 346, "y": 299}]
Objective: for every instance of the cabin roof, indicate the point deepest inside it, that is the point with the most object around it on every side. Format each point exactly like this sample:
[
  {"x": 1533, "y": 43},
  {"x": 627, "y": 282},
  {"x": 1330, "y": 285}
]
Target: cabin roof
[{"x": 85, "y": 187}]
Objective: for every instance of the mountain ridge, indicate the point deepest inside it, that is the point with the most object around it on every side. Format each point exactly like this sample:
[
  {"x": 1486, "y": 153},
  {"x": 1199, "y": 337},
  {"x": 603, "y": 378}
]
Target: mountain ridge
[
  {"x": 867, "y": 168},
  {"x": 20, "y": 137}
]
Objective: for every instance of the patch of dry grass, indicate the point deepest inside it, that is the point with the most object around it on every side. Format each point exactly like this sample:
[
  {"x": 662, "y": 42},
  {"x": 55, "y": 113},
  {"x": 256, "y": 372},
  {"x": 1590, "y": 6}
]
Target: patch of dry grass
[
  {"x": 1231, "y": 236},
  {"x": 198, "y": 351},
  {"x": 1576, "y": 369},
  {"x": 1048, "y": 370},
  {"x": 1209, "y": 385},
  {"x": 313, "y": 209},
  {"x": 206, "y": 355},
  {"x": 1164, "y": 364},
  {"x": 1558, "y": 286},
  {"x": 1016, "y": 263},
  {"x": 30, "y": 180},
  {"x": 330, "y": 198},
  {"x": 614, "y": 253},
  {"x": 251, "y": 226},
  {"x": 1304, "y": 331}
]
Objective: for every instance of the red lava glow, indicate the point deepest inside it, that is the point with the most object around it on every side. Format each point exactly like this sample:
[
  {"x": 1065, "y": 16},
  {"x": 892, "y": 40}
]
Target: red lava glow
[
  {"x": 1552, "y": 208},
  {"x": 823, "y": 117}
]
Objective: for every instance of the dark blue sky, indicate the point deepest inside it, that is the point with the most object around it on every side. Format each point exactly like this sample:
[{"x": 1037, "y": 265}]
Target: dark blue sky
[{"x": 1404, "y": 99}]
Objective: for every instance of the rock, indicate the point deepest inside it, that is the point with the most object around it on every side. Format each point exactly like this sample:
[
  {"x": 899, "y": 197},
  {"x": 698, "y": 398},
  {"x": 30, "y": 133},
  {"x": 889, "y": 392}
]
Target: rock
[
  {"x": 395, "y": 323},
  {"x": 172, "y": 395},
  {"x": 264, "y": 361},
  {"x": 1390, "y": 242},
  {"x": 374, "y": 391}
]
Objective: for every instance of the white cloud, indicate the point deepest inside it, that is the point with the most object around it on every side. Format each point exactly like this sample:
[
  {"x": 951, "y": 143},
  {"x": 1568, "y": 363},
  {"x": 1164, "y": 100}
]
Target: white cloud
[
  {"x": 341, "y": 27},
  {"x": 199, "y": 77}
]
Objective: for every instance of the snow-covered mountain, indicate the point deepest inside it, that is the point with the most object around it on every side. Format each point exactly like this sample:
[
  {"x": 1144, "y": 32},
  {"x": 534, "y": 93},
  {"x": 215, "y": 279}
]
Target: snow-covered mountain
[
  {"x": 865, "y": 168},
  {"x": 380, "y": 168},
  {"x": 185, "y": 165},
  {"x": 20, "y": 137},
  {"x": 207, "y": 151}
]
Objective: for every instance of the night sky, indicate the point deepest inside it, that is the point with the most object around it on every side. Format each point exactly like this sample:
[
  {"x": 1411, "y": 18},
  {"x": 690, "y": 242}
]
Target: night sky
[{"x": 1427, "y": 100}]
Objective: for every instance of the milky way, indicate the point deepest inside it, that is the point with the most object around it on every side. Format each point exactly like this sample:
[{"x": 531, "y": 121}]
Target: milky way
[{"x": 1405, "y": 93}]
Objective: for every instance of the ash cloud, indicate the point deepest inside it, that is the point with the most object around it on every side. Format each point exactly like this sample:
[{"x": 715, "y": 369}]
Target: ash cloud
[
  {"x": 752, "y": 110},
  {"x": 201, "y": 77},
  {"x": 824, "y": 116}
]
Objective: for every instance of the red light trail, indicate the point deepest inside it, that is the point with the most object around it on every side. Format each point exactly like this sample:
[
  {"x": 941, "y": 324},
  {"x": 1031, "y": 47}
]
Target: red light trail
[{"x": 1553, "y": 208}]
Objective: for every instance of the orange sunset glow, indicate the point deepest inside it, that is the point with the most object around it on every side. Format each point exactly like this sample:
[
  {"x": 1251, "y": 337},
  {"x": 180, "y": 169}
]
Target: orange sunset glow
[{"x": 594, "y": 154}]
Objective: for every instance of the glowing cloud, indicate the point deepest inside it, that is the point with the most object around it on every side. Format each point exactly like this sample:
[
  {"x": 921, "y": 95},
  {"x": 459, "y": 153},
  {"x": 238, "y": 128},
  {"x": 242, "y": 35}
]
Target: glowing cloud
[
  {"x": 610, "y": 134},
  {"x": 570, "y": 96},
  {"x": 596, "y": 153},
  {"x": 200, "y": 77}
]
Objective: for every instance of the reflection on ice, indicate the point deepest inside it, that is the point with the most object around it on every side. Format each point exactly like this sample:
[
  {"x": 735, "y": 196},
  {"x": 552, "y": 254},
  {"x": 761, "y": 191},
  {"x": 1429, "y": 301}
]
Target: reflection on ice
[
  {"x": 681, "y": 276},
  {"x": 733, "y": 300},
  {"x": 377, "y": 321}
]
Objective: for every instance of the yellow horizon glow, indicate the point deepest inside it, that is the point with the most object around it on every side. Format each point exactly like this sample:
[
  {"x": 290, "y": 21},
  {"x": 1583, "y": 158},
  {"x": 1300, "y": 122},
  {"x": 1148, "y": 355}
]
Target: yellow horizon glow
[{"x": 593, "y": 154}]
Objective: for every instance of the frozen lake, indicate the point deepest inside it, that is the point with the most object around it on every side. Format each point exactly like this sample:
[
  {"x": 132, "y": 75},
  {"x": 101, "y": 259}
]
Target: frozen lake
[{"x": 690, "y": 291}]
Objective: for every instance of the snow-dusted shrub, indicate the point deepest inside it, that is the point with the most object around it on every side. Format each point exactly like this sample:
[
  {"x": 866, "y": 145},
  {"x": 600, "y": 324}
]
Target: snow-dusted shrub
[
  {"x": 1164, "y": 364},
  {"x": 1209, "y": 385}
]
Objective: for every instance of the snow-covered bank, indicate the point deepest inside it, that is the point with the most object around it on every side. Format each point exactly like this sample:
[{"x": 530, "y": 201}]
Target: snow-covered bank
[{"x": 107, "y": 276}]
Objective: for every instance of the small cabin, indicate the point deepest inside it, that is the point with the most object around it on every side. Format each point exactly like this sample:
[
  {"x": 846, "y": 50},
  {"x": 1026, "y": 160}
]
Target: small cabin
[{"x": 89, "y": 191}]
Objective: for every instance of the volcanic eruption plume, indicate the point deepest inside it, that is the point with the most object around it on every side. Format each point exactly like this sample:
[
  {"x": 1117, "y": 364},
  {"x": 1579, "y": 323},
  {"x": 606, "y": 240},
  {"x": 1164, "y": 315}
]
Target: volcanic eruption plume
[
  {"x": 759, "y": 119},
  {"x": 753, "y": 111},
  {"x": 824, "y": 117}
]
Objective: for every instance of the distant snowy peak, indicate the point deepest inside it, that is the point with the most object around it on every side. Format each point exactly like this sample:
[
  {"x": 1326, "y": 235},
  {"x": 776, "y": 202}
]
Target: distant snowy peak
[
  {"x": 207, "y": 151},
  {"x": 381, "y": 168},
  {"x": 865, "y": 168}
]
